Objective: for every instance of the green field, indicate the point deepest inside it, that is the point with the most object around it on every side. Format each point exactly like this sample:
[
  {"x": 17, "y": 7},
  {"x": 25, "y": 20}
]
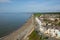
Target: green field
[
  {"x": 37, "y": 14},
  {"x": 34, "y": 36}
]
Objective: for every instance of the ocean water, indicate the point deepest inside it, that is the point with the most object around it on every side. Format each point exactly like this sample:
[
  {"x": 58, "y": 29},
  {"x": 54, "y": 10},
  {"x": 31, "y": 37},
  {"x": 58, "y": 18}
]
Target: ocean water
[{"x": 10, "y": 22}]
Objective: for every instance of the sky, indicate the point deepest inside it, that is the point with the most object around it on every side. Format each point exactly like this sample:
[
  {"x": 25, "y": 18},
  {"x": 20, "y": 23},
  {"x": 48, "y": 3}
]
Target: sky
[{"x": 29, "y": 5}]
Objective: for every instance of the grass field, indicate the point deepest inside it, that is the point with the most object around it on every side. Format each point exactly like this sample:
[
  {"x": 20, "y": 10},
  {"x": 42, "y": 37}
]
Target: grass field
[
  {"x": 37, "y": 14},
  {"x": 34, "y": 36}
]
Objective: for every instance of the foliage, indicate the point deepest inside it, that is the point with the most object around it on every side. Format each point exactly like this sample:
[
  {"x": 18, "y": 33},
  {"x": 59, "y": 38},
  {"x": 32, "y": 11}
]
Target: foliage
[
  {"x": 37, "y": 14},
  {"x": 59, "y": 23},
  {"x": 34, "y": 36}
]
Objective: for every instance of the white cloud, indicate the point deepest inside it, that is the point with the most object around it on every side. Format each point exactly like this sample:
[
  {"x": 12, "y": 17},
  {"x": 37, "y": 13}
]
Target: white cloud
[{"x": 4, "y": 1}]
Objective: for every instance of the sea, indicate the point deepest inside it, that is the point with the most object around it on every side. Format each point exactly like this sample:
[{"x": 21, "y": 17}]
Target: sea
[{"x": 10, "y": 22}]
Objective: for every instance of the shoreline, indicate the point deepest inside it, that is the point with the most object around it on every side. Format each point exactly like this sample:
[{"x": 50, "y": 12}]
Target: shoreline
[{"x": 18, "y": 31}]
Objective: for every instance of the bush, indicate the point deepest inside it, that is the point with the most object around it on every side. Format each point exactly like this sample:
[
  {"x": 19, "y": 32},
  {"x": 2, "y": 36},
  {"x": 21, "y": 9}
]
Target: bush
[
  {"x": 34, "y": 36},
  {"x": 59, "y": 23},
  {"x": 37, "y": 14}
]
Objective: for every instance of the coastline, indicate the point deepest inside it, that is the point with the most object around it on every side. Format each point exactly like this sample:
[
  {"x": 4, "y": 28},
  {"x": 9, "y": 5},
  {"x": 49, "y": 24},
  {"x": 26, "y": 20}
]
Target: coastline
[{"x": 13, "y": 35}]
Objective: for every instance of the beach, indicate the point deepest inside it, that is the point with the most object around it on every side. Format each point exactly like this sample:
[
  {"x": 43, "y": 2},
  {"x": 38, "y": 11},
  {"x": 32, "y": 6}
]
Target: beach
[{"x": 16, "y": 34}]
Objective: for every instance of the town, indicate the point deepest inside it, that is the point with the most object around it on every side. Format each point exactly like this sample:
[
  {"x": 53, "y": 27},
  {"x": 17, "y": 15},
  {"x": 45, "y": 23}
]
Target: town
[{"x": 48, "y": 25}]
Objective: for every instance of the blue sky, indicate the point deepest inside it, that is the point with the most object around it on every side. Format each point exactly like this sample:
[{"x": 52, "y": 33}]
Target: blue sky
[{"x": 29, "y": 5}]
